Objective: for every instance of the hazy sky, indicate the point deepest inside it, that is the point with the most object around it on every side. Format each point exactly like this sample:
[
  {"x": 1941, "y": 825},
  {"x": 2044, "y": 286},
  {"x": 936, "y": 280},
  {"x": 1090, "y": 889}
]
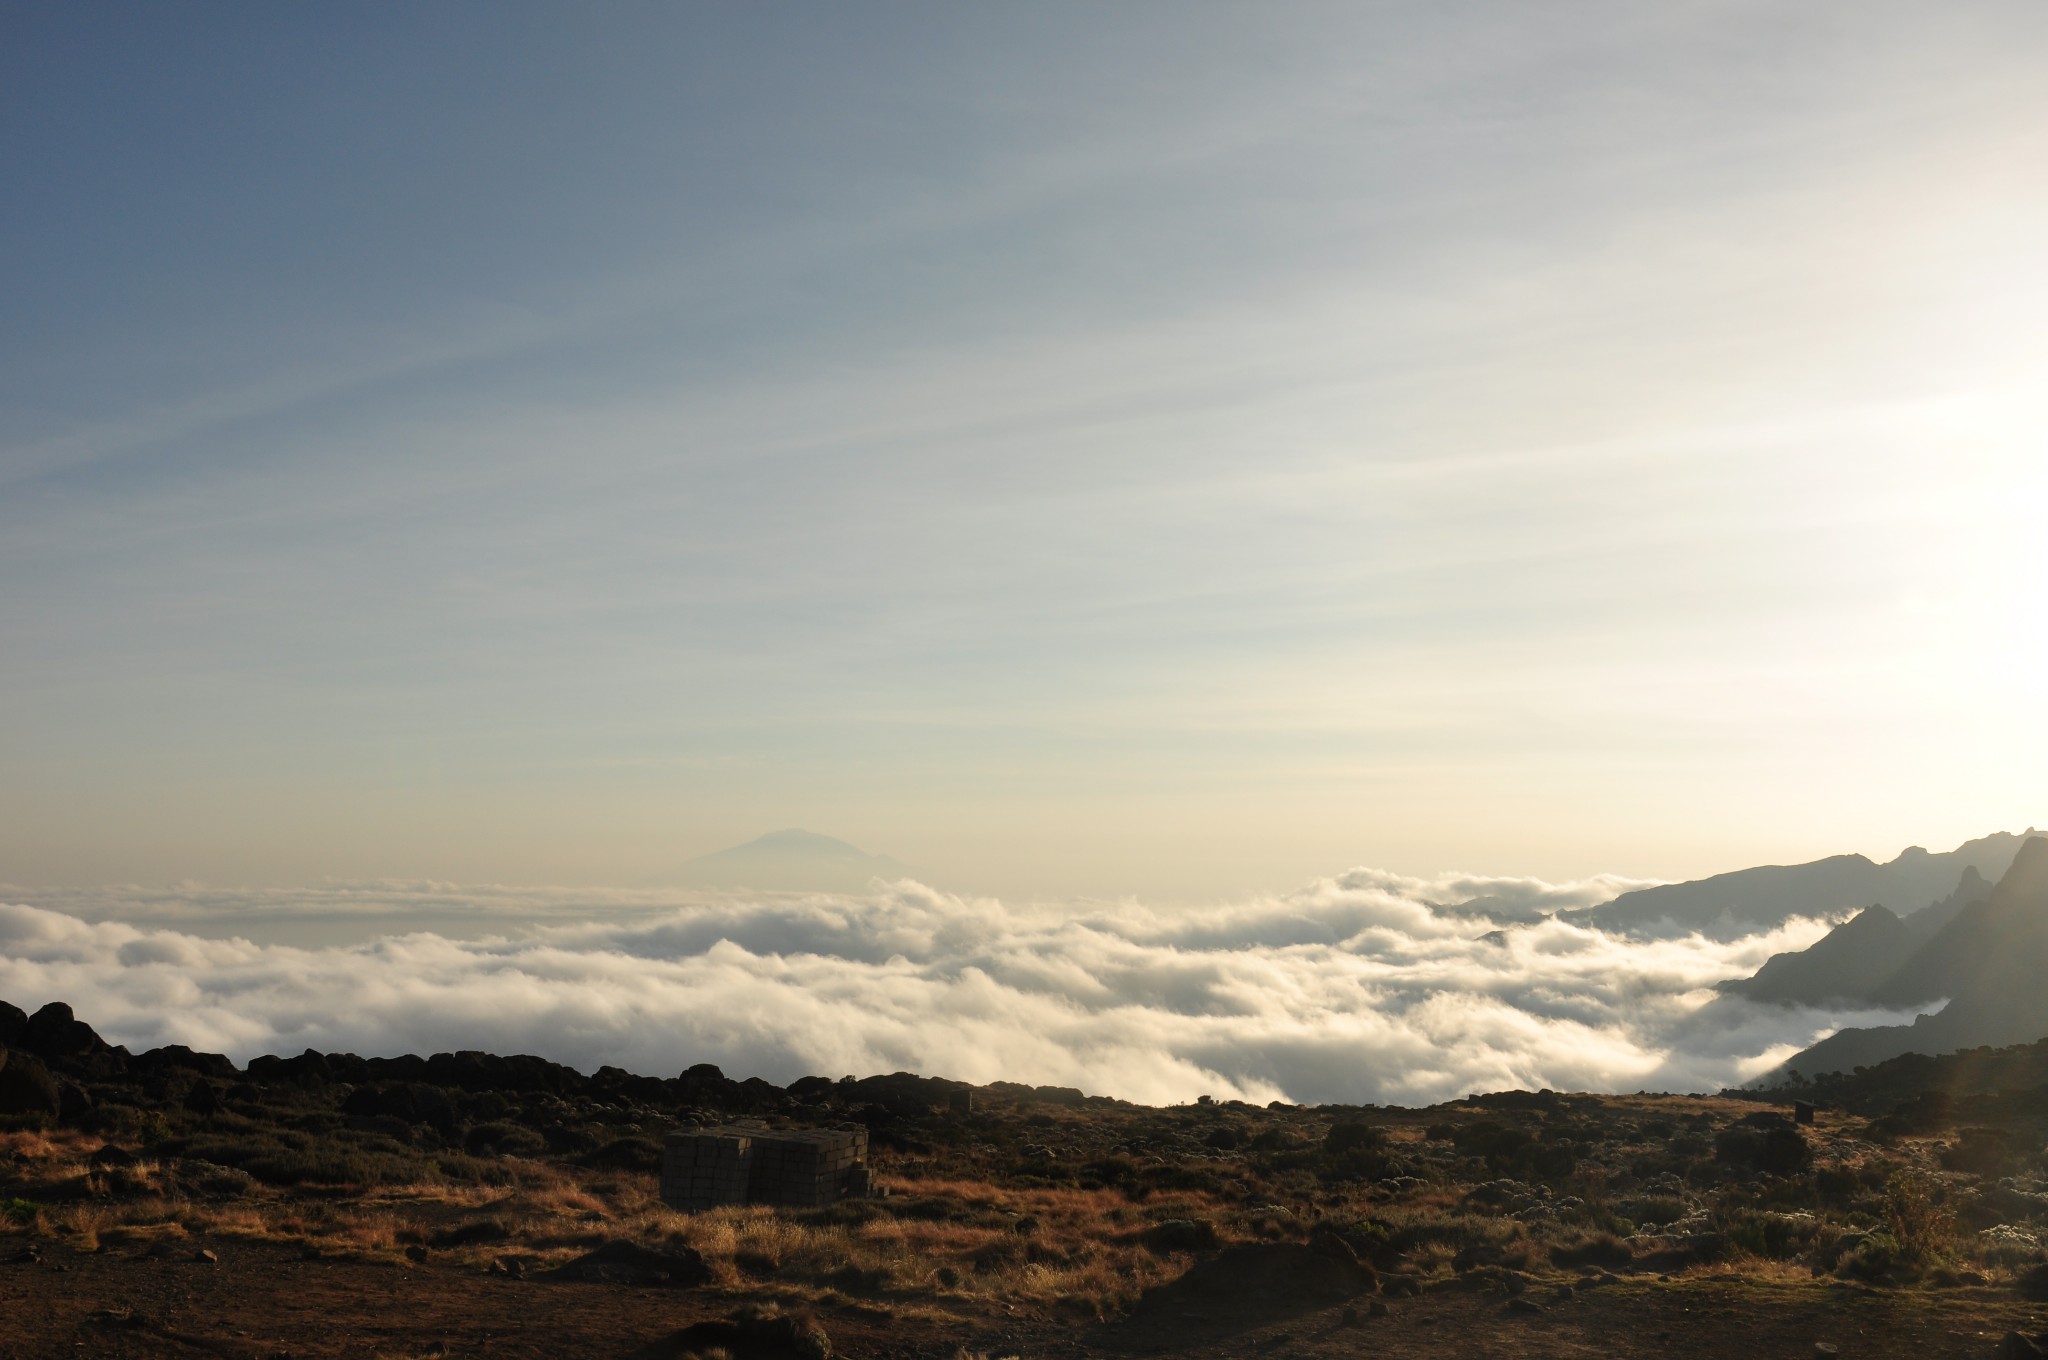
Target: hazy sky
[{"x": 1072, "y": 448}]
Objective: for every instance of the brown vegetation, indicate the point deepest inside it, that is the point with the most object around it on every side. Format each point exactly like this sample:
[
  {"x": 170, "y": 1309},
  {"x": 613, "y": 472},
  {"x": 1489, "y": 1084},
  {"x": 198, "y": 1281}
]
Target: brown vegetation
[{"x": 1018, "y": 1219}]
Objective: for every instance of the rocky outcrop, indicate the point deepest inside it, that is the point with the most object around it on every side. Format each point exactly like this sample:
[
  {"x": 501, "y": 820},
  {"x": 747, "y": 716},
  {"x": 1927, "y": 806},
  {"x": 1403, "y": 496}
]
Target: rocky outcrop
[{"x": 26, "y": 1086}]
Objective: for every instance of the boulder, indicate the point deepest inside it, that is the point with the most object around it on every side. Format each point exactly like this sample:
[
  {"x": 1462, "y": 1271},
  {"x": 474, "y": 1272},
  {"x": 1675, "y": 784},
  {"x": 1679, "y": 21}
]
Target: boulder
[
  {"x": 2018, "y": 1346},
  {"x": 1260, "y": 1280},
  {"x": 756, "y": 1334},
  {"x": 1181, "y": 1234},
  {"x": 26, "y": 1086},
  {"x": 179, "y": 1058},
  {"x": 630, "y": 1263},
  {"x": 54, "y": 1032}
]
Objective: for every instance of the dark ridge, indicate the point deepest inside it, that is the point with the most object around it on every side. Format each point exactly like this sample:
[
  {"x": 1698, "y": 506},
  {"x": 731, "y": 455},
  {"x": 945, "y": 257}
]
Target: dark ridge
[
  {"x": 1988, "y": 957},
  {"x": 1747, "y": 900}
]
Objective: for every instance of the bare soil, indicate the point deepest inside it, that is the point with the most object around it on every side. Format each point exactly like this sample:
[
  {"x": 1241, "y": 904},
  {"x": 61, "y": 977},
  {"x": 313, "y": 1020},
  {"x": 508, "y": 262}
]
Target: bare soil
[{"x": 265, "y": 1301}]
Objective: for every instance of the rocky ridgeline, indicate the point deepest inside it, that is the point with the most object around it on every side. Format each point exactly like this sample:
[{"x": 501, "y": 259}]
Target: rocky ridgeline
[{"x": 55, "y": 1066}]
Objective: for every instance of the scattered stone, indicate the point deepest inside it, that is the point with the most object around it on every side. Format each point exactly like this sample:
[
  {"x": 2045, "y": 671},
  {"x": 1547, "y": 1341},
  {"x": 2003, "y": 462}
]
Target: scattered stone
[
  {"x": 416, "y": 1254},
  {"x": 1401, "y": 1285},
  {"x": 1520, "y": 1304},
  {"x": 1377, "y": 1308},
  {"x": 1350, "y": 1316},
  {"x": 1823, "y": 1351},
  {"x": 205, "y": 1257}
]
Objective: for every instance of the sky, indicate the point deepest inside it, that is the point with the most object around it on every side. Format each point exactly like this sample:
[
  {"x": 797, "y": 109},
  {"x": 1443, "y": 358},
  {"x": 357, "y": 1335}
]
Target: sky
[{"x": 1157, "y": 450}]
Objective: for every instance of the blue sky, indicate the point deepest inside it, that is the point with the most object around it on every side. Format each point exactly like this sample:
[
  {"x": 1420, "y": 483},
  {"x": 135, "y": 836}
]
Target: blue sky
[{"x": 1166, "y": 449}]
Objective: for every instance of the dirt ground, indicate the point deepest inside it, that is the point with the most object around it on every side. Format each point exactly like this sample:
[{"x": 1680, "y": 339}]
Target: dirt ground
[{"x": 261, "y": 1301}]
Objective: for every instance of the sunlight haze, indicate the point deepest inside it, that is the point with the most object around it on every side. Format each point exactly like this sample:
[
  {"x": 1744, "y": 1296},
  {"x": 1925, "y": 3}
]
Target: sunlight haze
[{"x": 1157, "y": 451}]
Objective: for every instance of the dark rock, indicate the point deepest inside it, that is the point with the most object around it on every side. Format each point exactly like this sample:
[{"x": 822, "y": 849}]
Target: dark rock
[
  {"x": 1181, "y": 1234},
  {"x": 467, "y": 1234},
  {"x": 1377, "y": 1308},
  {"x": 629, "y": 1263},
  {"x": 13, "y": 1024},
  {"x": 202, "y": 1100},
  {"x": 1607, "y": 1252},
  {"x": 1824, "y": 1351},
  {"x": 110, "y": 1156},
  {"x": 1263, "y": 1279},
  {"x": 26, "y": 1086},
  {"x": 205, "y": 1257},
  {"x": 308, "y": 1069},
  {"x": 2018, "y": 1346},
  {"x": 756, "y": 1334},
  {"x": 416, "y": 1254},
  {"x": 518, "y": 1072},
  {"x": 74, "y": 1102},
  {"x": 54, "y": 1032},
  {"x": 852, "y": 1279},
  {"x": 178, "y": 1058},
  {"x": 1519, "y": 1304},
  {"x": 413, "y": 1102}
]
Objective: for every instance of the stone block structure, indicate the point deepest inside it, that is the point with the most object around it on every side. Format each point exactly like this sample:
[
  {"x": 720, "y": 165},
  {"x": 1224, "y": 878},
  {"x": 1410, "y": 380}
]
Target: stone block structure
[{"x": 797, "y": 1168}]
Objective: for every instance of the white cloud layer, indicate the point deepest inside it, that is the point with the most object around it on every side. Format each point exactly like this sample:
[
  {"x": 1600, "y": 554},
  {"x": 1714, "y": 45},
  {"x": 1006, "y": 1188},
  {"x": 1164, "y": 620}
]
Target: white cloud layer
[{"x": 1367, "y": 987}]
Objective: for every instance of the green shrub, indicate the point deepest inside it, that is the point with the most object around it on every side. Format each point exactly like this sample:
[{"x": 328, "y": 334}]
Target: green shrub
[
  {"x": 1916, "y": 1219},
  {"x": 1772, "y": 1236}
]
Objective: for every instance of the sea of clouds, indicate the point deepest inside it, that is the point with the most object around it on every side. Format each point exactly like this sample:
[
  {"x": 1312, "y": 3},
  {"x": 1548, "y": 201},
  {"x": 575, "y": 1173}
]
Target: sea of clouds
[{"x": 1366, "y": 987}]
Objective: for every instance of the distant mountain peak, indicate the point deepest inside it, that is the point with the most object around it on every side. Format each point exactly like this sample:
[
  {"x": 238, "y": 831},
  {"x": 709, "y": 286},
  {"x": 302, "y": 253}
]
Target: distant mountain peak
[
  {"x": 795, "y": 838},
  {"x": 789, "y": 860}
]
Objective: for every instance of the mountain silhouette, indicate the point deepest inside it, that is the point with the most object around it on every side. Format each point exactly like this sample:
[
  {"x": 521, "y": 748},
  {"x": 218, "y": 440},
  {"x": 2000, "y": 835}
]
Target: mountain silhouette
[
  {"x": 1731, "y": 905},
  {"x": 794, "y": 860},
  {"x": 1988, "y": 958},
  {"x": 1864, "y": 959}
]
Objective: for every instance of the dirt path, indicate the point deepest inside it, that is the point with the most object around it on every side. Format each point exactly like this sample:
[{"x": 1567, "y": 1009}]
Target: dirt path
[{"x": 261, "y": 1301}]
